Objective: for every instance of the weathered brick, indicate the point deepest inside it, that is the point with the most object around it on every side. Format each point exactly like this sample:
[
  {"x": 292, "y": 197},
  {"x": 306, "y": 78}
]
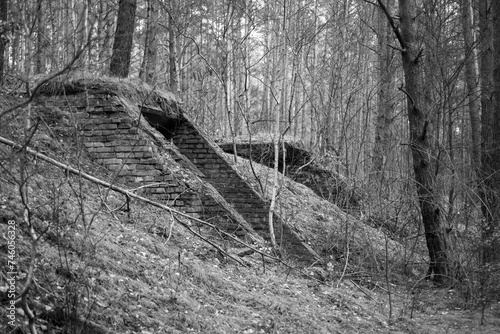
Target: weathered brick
[
  {"x": 123, "y": 148},
  {"x": 157, "y": 190},
  {"x": 103, "y": 149},
  {"x": 200, "y": 150},
  {"x": 148, "y": 161},
  {"x": 131, "y": 161},
  {"x": 139, "y": 148},
  {"x": 145, "y": 167},
  {"x": 113, "y": 135},
  {"x": 112, "y": 161},
  {"x": 93, "y": 144},
  {"x": 107, "y": 126},
  {"x": 148, "y": 178},
  {"x": 113, "y": 167},
  {"x": 105, "y": 155},
  {"x": 152, "y": 172},
  {"x": 124, "y": 125},
  {"x": 125, "y": 172}
]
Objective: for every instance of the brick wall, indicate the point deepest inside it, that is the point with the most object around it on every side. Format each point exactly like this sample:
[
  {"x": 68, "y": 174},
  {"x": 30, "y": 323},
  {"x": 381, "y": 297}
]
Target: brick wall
[
  {"x": 113, "y": 137},
  {"x": 209, "y": 159},
  {"x": 168, "y": 158}
]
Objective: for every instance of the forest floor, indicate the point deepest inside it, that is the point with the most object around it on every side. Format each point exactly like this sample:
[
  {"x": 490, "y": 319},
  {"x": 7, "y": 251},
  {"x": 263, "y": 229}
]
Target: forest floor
[{"x": 140, "y": 271}]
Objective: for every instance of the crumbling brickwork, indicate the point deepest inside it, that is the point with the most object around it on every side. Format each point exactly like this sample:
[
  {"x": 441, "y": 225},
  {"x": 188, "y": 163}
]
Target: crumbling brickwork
[
  {"x": 209, "y": 159},
  {"x": 167, "y": 157},
  {"x": 113, "y": 136}
]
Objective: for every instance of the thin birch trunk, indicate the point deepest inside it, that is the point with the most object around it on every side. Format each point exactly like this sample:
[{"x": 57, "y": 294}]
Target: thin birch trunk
[{"x": 277, "y": 129}]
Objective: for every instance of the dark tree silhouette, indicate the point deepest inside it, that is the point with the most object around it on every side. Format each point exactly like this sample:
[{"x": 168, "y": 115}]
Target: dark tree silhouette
[
  {"x": 3, "y": 40},
  {"x": 122, "y": 46},
  {"x": 421, "y": 138}
]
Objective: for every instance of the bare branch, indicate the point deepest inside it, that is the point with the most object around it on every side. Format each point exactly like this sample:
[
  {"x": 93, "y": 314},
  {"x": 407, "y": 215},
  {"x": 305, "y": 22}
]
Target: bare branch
[
  {"x": 32, "y": 94},
  {"x": 407, "y": 95}
]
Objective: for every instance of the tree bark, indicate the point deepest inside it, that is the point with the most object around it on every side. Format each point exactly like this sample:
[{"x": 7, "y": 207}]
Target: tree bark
[
  {"x": 384, "y": 134},
  {"x": 122, "y": 46},
  {"x": 148, "y": 68},
  {"x": 172, "y": 54},
  {"x": 491, "y": 149},
  {"x": 39, "y": 55},
  {"x": 4, "y": 5},
  {"x": 421, "y": 138},
  {"x": 471, "y": 76}
]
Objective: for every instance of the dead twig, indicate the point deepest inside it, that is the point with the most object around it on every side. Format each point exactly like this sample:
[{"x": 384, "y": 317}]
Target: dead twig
[
  {"x": 208, "y": 241},
  {"x": 32, "y": 94}
]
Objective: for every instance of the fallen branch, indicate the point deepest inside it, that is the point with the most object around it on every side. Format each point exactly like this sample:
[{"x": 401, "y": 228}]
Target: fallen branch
[
  {"x": 128, "y": 193},
  {"x": 172, "y": 211}
]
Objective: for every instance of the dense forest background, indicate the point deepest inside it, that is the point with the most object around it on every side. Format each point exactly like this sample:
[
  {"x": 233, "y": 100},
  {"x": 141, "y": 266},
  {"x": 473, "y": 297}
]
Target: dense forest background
[{"x": 398, "y": 97}]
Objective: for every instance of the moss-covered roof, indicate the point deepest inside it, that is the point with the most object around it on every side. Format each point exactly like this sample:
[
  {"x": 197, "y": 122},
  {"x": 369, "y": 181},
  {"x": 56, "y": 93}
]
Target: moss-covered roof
[{"x": 134, "y": 90}]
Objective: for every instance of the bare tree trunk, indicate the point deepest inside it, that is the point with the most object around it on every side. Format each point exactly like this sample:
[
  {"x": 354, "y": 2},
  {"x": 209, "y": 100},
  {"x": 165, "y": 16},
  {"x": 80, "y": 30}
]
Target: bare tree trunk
[
  {"x": 85, "y": 35},
  {"x": 266, "y": 91},
  {"x": 39, "y": 55},
  {"x": 421, "y": 138},
  {"x": 148, "y": 68},
  {"x": 122, "y": 46},
  {"x": 491, "y": 150},
  {"x": 471, "y": 76},
  {"x": 384, "y": 134},
  {"x": 281, "y": 110},
  {"x": 4, "y": 4},
  {"x": 172, "y": 55}
]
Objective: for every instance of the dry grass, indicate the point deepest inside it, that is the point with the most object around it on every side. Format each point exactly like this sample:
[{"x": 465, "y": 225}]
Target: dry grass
[{"x": 329, "y": 230}]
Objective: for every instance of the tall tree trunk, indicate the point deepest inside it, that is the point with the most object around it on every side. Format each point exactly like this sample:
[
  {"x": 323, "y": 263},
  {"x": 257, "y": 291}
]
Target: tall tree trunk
[
  {"x": 85, "y": 35},
  {"x": 384, "y": 134},
  {"x": 148, "y": 68},
  {"x": 39, "y": 55},
  {"x": 421, "y": 138},
  {"x": 122, "y": 46},
  {"x": 265, "y": 115},
  {"x": 491, "y": 150},
  {"x": 471, "y": 76},
  {"x": 485, "y": 65},
  {"x": 172, "y": 55},
  {"x": 4, "y": 5}
]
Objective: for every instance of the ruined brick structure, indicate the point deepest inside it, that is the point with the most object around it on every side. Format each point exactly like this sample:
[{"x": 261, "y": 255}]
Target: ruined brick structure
[{"x": 153, "y": 147}]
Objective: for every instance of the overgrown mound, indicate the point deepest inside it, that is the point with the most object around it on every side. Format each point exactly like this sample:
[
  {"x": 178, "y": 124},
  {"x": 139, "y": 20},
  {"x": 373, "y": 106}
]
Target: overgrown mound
[{"x": 334, "y": 234}]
